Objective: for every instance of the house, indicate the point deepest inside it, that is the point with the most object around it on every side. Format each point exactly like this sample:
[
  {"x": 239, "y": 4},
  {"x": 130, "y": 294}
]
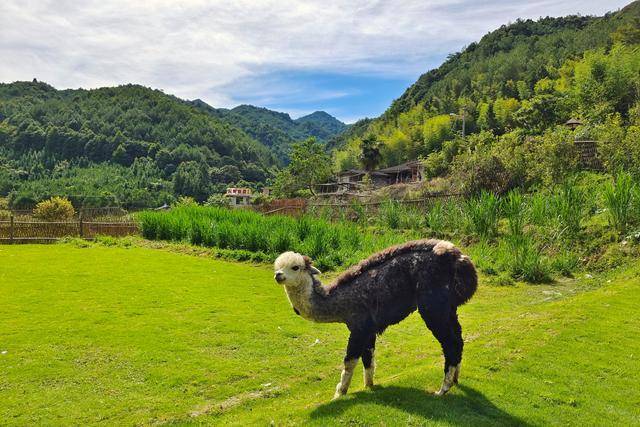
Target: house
[
  {"x": 350, "y": 175},
  {"x": 411, "y": 171},
  {"x": 378, "y": 178},
  {"x": 351, "y": 180},
  {"x": 239, "y": 197}
]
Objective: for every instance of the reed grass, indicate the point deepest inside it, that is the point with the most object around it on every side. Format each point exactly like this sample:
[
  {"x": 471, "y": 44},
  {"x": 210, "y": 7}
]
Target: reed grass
[{"x": 618, "y": 201}]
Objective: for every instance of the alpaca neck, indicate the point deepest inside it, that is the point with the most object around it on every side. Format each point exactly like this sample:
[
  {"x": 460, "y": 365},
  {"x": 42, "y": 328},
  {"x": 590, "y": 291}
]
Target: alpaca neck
[{"x": 309, "y": 300}]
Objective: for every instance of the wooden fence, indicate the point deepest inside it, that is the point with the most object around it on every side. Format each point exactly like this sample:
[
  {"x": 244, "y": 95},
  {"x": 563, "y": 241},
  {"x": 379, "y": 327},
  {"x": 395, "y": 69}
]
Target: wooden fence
[
  {"x": 588, "y": 157},
  {"x": 293, "y": 207},
  {"x": 297, "y": 207},
  {"x": 25, "y": 230}
]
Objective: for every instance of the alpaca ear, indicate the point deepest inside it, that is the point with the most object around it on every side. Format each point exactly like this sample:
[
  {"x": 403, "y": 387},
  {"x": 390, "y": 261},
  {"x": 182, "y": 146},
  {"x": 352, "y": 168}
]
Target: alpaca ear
[{"x": 308, "y": 266}]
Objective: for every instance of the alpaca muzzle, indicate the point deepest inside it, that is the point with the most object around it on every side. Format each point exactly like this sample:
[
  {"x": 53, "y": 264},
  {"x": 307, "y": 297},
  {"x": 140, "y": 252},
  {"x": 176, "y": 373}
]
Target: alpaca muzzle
[{"x": 279, "y": 277}]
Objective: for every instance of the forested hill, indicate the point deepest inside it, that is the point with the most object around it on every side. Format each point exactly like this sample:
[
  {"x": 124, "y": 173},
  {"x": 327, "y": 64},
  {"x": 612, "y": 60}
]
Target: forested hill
[
  {"x": 48, "y": 135},
  {"x": 277, "y": 130},
  {"x": 511, "y": 60},
  {"x": 515, "y": 88}
]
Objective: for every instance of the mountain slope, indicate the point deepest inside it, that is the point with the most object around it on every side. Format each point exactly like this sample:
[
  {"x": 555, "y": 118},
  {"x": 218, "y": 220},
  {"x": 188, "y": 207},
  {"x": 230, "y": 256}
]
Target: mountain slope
[
  {"x": 524, "y": 51},
  {"x": 274, "y": 129},
  {"x": 322, "y": 125},
  {"x": 521, "y": 81},
  {"x": 44, "y": 131}
]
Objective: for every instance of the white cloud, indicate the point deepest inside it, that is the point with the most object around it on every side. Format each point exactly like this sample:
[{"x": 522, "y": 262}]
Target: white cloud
[{"x": 198, "y": 49}]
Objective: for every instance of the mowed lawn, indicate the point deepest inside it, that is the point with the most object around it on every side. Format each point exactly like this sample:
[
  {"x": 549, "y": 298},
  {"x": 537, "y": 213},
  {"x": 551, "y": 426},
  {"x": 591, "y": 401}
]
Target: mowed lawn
[{"x": 141, "y": 336}]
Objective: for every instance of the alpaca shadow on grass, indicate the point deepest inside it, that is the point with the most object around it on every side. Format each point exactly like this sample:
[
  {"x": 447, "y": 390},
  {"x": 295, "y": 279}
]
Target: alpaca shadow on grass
[{"x": 469, "y": 407}]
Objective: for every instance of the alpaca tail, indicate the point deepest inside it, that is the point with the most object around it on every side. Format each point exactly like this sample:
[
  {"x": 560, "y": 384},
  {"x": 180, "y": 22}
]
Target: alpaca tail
[{"x": 465, "y": 280}]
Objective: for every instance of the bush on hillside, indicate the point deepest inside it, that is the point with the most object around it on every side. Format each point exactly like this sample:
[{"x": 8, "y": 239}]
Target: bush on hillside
[{"x": 54, "y": 209}]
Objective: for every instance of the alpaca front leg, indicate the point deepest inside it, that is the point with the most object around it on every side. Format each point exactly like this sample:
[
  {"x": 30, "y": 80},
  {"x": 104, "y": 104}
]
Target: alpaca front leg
[
  {"x": 345, "y": 377},
  {"x": 355, "y": 348},
  {"x": 369, "y": 362}
]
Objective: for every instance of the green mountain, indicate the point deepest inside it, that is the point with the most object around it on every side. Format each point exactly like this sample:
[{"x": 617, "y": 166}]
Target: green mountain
[
  {"x": 514, "y": 89},
  {"x": 277, "y": 130},
  {"x": 165, "y": 147}
]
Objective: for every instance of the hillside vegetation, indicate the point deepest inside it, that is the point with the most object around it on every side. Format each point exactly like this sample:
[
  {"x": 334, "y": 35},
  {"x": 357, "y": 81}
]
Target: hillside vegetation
[
  {"x": 276, "y": 130},
  {"x": 516, "y": 88},
  {"x": 50, "y": 138}
]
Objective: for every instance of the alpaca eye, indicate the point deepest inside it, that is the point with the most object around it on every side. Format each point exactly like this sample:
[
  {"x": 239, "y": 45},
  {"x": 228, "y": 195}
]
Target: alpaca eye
[{"x": 295, "y": 268}]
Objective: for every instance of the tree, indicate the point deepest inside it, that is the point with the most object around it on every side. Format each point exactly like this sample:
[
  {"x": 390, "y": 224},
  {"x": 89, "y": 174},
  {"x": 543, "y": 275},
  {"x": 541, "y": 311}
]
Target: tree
[
  {"x": 627, "y": 34},
  {"x": 371, "y": 156},
  {"x": 310, "y": 165},
  {"x": 190, "y": 179}
]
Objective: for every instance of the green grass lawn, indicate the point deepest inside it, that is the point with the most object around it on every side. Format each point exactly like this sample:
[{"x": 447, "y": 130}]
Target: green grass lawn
[{"x": 143, "y": 336}]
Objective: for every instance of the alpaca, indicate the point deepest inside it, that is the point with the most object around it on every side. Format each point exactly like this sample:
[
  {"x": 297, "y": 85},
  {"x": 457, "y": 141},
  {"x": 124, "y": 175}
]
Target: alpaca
[{"x": 430, "y": 275}]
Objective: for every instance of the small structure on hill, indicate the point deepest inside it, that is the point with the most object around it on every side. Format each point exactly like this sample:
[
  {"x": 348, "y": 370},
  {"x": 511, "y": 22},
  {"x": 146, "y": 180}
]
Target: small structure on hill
[
  {"x": 573, "y": 123},
  {"x": 411, "y": 171},
  {"x": 352, "y": 180},
  {"x": 239, "y": 196}
]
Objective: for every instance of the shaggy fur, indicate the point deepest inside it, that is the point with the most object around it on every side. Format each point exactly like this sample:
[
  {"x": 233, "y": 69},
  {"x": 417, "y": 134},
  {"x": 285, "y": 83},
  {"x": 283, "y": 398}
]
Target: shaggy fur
[{"x": 429, "y": 275}]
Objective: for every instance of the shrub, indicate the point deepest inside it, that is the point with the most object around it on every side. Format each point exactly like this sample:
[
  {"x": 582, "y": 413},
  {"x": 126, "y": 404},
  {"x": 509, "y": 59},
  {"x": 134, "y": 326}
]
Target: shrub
[
  {"x": 217, "y": 200},
  {"x": 54, "y": 209},
  {"x": 186, "y": 201},
  {"x": 565, "y": 263},
  {"x": 617, "y": 198}
]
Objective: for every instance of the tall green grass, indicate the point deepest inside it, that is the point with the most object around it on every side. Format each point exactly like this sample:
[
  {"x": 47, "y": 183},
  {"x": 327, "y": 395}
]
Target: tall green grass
[
  {"x": 568, "y": 208},
  {"x": 523, "y": 236},
  {"x": 331, "y": 245},
  {"x": 618, "y": 201},
  {"x": 482, "y": 214},
  {"x": 515, "y": 210}
]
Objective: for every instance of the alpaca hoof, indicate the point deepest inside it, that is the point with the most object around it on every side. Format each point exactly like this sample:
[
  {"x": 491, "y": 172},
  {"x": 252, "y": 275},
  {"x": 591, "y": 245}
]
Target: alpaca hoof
[
  {"x": 450, "y": 378},
  {"x": 441, "y": 392},
  {"x": 339, "y": 392}
]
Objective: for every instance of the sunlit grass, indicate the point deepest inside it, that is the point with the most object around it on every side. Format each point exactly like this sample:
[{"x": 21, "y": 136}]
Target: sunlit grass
[{"x": 131, "y": 336}]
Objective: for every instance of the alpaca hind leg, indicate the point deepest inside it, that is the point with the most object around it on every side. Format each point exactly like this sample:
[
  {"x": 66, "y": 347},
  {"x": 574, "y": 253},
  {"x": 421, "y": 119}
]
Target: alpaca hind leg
[
  {"x": 436, "y": 312},
  {"x": 457, "y": 330},
  {"x": 368, "y": 360},
  {"x": 355, "y": 348}
]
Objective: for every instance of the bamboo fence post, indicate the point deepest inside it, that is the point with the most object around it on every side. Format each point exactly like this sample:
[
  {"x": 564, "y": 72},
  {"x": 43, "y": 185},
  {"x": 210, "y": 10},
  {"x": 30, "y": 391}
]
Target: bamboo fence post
[
  {"x": 80, "y": 224},
  {"x": 11, "y": 230}
]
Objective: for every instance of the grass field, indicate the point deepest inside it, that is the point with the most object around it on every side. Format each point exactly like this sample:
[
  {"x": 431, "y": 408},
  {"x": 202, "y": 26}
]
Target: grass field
[{"x": 142, "y": 336}]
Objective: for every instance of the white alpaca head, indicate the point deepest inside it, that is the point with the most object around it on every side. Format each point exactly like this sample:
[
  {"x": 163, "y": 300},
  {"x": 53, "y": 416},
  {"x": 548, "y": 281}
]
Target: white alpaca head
[{"x": 293, "y": 269}]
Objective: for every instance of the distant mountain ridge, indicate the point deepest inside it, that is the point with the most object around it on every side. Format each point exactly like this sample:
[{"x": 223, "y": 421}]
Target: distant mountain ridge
[{"x": 274, "y": 129}]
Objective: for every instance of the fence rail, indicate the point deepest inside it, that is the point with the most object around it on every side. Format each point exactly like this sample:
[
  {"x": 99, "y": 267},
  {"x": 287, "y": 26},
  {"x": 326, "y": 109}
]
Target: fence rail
[{"x": 18, "y": 230}]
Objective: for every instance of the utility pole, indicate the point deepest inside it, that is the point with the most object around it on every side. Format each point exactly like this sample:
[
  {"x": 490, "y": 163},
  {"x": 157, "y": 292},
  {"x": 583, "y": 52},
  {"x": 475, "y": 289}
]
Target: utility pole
[{"x": 464, "y": 122}]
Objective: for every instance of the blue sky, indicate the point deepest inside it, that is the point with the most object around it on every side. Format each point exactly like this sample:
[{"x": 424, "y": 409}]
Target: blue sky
[{"x": 350, "y": 58}]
